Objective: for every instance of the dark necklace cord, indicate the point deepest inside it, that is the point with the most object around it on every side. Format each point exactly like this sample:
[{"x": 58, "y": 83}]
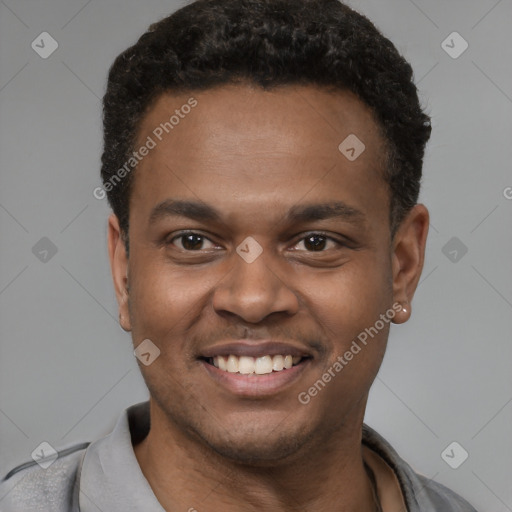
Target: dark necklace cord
[{"x": 373, "y": 481}]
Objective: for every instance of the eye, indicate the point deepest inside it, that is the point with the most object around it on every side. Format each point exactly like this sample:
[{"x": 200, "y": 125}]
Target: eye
[
  {"x": 191, "y": 241},
  {"x": 318, "y": 242}
]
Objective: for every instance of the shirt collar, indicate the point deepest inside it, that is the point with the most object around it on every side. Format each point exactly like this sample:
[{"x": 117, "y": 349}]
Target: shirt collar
[
  {"x": 111, "y": 478},
  {"x": 413, "y": 490}
]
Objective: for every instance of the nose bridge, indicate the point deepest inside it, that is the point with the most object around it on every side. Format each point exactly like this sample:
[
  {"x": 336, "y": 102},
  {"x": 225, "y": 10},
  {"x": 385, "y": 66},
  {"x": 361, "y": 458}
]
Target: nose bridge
[
  {"x": 255, "y": 274},
  {"x": 253, "y": 289}
]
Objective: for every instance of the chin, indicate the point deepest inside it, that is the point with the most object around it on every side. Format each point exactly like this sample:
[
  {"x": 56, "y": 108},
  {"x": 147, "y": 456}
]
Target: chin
[
  {"x": 258, "y": 447},
  {"x": 247, "y": 437}
]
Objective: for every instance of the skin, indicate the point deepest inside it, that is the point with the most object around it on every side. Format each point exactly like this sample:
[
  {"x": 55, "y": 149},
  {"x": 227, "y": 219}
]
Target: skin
[{"x": 252, "y": 155}]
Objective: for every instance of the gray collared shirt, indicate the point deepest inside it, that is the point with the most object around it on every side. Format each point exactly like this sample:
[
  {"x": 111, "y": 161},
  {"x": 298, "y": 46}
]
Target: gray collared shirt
[{"x": 105, "y": 476}]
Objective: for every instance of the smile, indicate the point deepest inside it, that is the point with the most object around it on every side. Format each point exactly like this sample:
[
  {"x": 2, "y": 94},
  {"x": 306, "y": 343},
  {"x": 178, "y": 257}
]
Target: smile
[
  {"x": 247, "y": 365},
  {"x": 255, "y": 368}
]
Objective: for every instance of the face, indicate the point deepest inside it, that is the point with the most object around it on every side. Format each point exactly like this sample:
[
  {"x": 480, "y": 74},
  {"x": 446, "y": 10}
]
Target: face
[{"x": 254, "y": 238}]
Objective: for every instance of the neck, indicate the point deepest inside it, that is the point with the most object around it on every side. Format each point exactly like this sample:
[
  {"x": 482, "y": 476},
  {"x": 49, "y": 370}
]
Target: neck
[{"x": 185, "y": 474}]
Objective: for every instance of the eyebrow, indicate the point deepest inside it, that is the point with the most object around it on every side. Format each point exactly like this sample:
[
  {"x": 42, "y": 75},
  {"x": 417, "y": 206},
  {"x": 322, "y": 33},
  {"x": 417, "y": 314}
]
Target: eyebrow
[
  {"x": 192, "y": 209},
  {"x": 321, "y": 211},
  {"x": 200, "y": 211}
]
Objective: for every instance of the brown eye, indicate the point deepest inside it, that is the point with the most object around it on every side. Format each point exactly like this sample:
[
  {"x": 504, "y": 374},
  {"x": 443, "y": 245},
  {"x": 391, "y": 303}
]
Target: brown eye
[
  {"x": 317, "y": 242},
  {"x": 191, "y": 241}
]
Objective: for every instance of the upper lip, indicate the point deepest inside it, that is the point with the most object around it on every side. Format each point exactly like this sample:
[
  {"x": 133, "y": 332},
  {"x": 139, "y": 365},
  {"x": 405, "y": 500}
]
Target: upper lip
[{"x": 255, "y": 348}]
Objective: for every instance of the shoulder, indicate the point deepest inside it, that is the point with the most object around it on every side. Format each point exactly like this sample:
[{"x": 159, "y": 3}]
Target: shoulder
[
  {"x": 29, "y": 487},
  {"x": 444, "y": 498},
  {"x": 420, "y": 492}
]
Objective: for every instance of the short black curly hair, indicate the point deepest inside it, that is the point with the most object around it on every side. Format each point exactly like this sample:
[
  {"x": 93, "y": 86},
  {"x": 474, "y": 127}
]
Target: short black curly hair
[{"x": 268, "y": 43}]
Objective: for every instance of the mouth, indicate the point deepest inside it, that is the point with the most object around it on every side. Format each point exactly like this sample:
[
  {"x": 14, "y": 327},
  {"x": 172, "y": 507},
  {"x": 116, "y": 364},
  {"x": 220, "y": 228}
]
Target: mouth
[
  {"x": 247, "y": 365},
  {"x": 255, "y": 369}
]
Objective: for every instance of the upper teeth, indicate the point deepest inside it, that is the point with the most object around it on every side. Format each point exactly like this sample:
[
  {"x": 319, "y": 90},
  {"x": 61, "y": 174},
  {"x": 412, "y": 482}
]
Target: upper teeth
[{"x": 258, "y": 365}]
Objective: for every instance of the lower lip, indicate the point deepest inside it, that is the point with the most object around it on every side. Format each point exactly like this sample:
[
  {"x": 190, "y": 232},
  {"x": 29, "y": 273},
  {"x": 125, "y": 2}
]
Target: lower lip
[{"x": 256, "y": 385}]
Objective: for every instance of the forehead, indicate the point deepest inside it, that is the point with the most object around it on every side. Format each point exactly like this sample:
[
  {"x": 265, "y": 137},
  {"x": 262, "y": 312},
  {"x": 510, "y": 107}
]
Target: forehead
[
  {"x": 301, "y": 118},
  {"x": 247, "y": 144}
]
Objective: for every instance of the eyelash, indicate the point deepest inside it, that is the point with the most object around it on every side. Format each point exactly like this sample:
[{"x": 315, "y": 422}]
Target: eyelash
[{"x": 319, "y": 233}]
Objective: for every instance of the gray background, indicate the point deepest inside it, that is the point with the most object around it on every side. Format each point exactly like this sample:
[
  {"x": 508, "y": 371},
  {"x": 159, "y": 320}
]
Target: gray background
[{"x": 66, "y": 367}]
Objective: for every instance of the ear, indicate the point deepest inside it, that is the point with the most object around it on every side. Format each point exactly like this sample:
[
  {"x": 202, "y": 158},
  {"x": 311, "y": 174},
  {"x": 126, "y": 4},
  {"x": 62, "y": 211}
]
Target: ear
[
  {"x": 407, "y": 259},
  {"x": 119, "y": 268}
]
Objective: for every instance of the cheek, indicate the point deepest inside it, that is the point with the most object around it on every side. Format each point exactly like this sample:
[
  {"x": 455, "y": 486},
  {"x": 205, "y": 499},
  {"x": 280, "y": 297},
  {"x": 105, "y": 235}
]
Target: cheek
[
  {"x": 162, "y": 300},
  {"x": 169, "y": 304},
  {"x": 347, "y": 308},
  {"x": 351, "y": 299}
]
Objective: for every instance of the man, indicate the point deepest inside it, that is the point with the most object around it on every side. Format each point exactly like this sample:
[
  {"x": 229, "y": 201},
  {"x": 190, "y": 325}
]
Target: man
[{"x": 263, "y": 160}]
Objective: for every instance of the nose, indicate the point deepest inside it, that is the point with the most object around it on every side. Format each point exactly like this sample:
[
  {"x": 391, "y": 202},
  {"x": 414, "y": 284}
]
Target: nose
[{"x": 255, "y": 290}]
